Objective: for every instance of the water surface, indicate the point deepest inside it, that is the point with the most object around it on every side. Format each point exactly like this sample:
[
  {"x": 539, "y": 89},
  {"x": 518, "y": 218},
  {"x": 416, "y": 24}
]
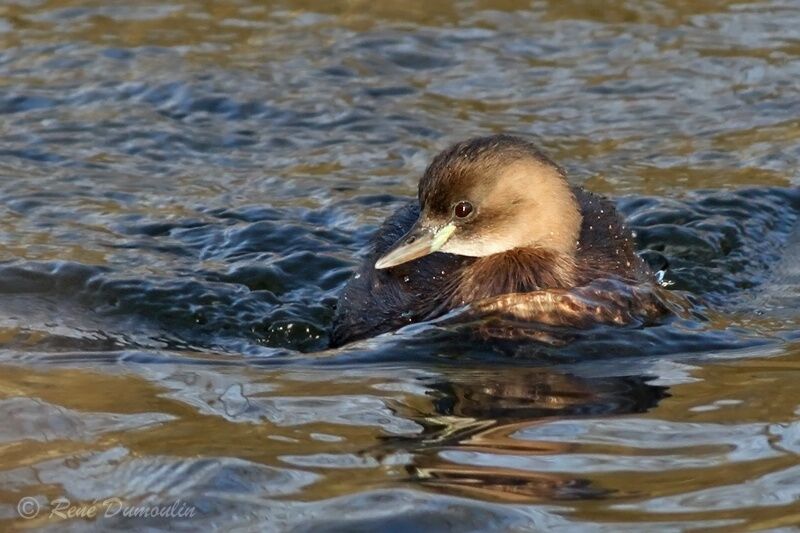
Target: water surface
[{"x": 186, "y": 186}]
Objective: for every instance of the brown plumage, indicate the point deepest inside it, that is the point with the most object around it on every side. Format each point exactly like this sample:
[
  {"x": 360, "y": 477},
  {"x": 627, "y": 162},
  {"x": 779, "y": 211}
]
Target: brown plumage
[
  {"x": 518, "y": 270},
  {"x": 497, "y": 228}
]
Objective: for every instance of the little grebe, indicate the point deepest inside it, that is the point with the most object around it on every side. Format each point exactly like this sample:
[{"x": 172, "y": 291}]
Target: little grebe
[{"x": 497, "y": 227}]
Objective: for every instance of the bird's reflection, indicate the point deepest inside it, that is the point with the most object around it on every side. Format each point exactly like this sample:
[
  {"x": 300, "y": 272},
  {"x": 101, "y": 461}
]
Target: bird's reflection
[{"x": 483, "y": 412}]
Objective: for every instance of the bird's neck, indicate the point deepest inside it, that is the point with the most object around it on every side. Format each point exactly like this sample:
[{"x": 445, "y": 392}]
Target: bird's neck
[{"x": 517, "y": 270}]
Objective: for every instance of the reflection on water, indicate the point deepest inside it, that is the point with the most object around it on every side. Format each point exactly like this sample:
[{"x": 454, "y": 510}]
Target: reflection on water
[
  {"x": 476, "y": 419},
  {"x": 186, "y": 186}
]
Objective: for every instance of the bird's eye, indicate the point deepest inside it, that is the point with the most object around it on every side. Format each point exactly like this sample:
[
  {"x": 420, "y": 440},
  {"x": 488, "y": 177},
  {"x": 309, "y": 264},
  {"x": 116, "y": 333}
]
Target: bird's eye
[{"x": 462, "y": 209}]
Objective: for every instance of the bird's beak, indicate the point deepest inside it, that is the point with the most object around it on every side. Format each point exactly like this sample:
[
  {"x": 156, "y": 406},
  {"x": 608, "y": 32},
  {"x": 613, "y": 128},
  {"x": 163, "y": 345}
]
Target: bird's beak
[{"x": 418, "y": 242}]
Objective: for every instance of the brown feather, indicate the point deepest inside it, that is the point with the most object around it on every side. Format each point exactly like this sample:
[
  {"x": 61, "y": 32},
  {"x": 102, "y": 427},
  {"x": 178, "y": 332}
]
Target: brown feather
[{"x": 518, "y": 270}]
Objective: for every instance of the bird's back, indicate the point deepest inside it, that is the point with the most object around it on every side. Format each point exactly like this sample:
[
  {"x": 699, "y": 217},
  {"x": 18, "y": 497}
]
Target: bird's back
[{"x": 606, "y": 246}]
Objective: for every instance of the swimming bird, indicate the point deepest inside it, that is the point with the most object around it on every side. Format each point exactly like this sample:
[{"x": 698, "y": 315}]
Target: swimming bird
[{"x": 497, "y": 228}]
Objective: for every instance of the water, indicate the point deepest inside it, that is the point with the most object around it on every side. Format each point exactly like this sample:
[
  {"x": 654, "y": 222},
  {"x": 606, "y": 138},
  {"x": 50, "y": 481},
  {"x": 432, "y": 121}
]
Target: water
[{"x": 185, "y": 187}]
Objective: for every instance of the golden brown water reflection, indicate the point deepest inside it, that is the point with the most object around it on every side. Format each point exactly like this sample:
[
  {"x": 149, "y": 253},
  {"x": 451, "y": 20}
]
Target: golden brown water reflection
[{"x": 185, "y": 186}]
